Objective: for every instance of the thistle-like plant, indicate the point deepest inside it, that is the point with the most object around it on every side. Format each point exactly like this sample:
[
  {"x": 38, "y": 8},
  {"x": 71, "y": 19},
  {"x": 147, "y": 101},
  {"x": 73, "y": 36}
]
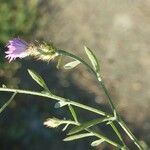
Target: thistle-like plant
[{"x": 18, "y": 48}]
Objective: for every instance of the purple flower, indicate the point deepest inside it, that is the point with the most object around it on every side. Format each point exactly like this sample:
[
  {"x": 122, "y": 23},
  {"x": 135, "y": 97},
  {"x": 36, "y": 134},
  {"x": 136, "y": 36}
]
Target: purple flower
[{"x": 16, "y": 49}]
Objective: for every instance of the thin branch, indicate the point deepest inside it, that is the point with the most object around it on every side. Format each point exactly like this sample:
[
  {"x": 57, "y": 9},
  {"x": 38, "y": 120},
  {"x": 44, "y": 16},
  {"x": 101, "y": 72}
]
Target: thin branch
[{"x": 8, "y": 102}]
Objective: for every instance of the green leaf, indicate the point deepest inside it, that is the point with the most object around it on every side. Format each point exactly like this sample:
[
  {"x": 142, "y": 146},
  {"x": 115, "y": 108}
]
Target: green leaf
[
  {"x": 97, "y": 142},
  {"x": 78, "y": 136},
  {"x": 93, "y": 59},
  {"x": 126, "y": 148},
  {"x": 36, "y": 77},
  {"x": 66, "y": 126},
  {"x": 72, "y": 64},
  {"x": 73, "y": 113},
  {"x": 86, "y": 125}
]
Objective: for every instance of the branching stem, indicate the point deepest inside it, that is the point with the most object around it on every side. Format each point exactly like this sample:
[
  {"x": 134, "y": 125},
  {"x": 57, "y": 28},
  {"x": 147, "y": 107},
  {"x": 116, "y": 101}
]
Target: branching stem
[{"x": 101, "y": 83}]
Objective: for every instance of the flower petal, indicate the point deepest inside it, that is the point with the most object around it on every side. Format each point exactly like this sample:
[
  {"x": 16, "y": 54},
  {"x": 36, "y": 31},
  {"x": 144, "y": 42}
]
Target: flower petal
[{"x": 16, "y": 48}]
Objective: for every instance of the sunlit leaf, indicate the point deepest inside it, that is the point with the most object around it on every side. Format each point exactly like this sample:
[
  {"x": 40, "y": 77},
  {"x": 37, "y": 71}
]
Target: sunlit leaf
[
  {"x": 65, "y": 127},
  {"x": 78, "y": 136},
  {"x": 36, "y": 77},
  {"x": 72, "y": 64},
  {"x": 97, "y": 142},
  {"x": 126, "y": 148},
  {"x": 86, "y": 125},
  {"x": 92, "y": 58},
  {"x": 73, "y": 113}
]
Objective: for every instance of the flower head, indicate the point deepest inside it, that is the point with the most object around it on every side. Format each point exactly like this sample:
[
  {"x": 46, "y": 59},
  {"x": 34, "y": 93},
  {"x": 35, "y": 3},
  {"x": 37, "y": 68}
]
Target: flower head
[{"x": 16, "y": 49}]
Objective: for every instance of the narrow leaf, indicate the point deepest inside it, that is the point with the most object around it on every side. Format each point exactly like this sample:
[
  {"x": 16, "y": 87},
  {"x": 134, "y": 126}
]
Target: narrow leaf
[
  {"x": 92, "y": 58},
  {"x": 78, "y": 136},
  {"x": 126, "y": 148},
  {"x": 66, "y": 126},
  {"x": 86, "y": 125},
  {"x": 73, "y": 113},
  {"x": 36, "y": 77},
  {"x": 72, "y": 64},
  {"x": 97, "y": 142}
]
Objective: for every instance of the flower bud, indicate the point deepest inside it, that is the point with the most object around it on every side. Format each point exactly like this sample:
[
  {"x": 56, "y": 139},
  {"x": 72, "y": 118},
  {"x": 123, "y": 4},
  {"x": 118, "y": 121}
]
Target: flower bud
[
  {"x": 53, "y": 122},
  {"x": 43, "y": 51}
]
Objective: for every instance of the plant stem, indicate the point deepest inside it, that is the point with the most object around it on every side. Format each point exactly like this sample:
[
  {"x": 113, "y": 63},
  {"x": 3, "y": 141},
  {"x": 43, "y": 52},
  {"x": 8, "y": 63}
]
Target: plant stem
[
  {"x": 93, "y": 132},
  {"x": 70, "y": 103},
  {"x": 62, "y": 52},
  {"x": 118, "y": 133},
  {"x": 91, "y": 109},
  {"x": 119, "y": 119},
  {"x": 100, "y": 136},
  {"x": 58, "y": 98},
  {"x": 101, "y": 82},
  {"x": 105, "y": 138},
  {"x": 130, "y": 134},
  {"x": 8, "y": 102},
  {"x": 98, "y": 77}
]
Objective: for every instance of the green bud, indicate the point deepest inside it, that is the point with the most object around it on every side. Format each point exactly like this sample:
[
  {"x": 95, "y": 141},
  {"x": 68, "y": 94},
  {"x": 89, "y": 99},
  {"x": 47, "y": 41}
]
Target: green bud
[{"x": 42, "y": 51}]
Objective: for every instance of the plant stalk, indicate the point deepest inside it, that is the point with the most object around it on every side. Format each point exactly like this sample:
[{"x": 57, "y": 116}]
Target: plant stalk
[{"x": 118, "y": 118}]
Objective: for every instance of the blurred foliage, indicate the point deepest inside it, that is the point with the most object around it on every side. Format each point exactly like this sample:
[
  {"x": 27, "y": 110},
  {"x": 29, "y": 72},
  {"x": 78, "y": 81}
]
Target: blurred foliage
[
  {"x": 6, "y": 74},
  {"x": 17, "y": 18}
]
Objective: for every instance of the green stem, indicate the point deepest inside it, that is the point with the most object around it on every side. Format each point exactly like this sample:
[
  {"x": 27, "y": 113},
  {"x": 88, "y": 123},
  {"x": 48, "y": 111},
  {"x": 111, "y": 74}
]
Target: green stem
[
  {"x": 118, "y": 133},
  {"x": 105, "y": 138},
  {"x": 130, "y": 134},
  {"x": 118, "y": 118},
  {"x": 69, "y": 102},
  {"x": 113, "y": 109},
  {"x": 100, "y": 136},
  {"x": 95, "y": 133},
  {"x": 69, "y": 122},
  {"x": 8, "y": 102},
  {"x": 58, "y": 98},
  {"x": 108, "y": 96},
  {"x": 62, "y": 52}
]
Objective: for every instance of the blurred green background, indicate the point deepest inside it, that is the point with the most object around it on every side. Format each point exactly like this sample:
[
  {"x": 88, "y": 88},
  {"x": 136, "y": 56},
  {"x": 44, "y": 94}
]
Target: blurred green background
[{"x": 118, "y": 32}]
